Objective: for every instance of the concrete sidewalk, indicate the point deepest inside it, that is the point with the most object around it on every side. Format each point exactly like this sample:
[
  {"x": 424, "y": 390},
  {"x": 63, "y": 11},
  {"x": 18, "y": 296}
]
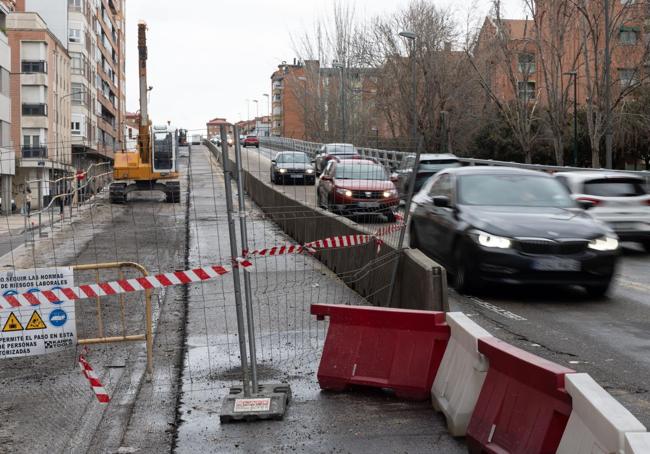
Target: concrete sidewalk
[{"x": 289, "y": 342}]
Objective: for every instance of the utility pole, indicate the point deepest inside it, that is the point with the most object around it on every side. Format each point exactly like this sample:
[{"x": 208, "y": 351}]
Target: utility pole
[
  {"x": 340, "y": 65},
  {"x": 607, "y": 74}
]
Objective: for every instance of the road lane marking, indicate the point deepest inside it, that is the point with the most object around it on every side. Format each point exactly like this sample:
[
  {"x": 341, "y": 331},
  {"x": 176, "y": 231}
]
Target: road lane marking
[
  {"x": 496, "y": 309},
  {"x": 633, "y": 285}
]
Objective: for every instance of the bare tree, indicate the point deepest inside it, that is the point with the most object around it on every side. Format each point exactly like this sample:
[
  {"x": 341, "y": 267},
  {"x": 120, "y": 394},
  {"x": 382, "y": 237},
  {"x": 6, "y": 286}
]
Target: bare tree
[
  {"x": 495, "y": 52},
  {"x": 627, "y": 49},
  {"x": 552, "y": 31}
]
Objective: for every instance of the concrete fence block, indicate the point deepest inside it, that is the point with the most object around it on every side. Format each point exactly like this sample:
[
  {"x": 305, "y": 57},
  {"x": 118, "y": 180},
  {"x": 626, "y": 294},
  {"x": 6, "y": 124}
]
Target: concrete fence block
[
  {"x": 461, "y": 374},
  {"x": 637, "y": 443},
  {"x": 598, "y": 422}
]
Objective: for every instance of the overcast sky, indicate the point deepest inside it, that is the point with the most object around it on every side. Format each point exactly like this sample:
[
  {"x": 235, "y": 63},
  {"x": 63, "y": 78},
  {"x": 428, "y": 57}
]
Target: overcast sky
[{"x": 206, "y": 57}]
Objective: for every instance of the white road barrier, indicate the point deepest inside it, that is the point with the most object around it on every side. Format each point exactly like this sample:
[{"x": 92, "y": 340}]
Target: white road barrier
[
  {"x": 637, "y": 443},
  {"x": 598, "y": 422},
  {"x": 461, "y": 373}
]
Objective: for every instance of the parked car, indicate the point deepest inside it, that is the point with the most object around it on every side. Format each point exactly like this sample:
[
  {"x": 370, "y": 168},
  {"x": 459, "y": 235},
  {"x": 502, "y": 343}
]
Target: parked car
[
  {"x": 331, "y": 150},
  {"x": 430, "y": 164},
  {"x": 251, "y": 141},
  {"x": 216, "y": 140},
  {"x": 242, "y": 137},
  {"x": 293, "y": 166},
  {"x": 514, "y": 226},
  {"x": 356, "y": 187},
  {"x": 619, "y": 199}
]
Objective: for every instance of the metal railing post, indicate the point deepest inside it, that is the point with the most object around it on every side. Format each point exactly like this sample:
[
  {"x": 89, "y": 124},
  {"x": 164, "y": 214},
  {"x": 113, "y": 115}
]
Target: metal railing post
[{"x": 227, "y": 173}]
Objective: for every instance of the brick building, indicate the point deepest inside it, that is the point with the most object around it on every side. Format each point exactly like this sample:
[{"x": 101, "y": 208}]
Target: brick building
[
  {"x": 214, "y": 127},
  {"x": 41, "y": 115},
  {"x": 7, "y": 153}
]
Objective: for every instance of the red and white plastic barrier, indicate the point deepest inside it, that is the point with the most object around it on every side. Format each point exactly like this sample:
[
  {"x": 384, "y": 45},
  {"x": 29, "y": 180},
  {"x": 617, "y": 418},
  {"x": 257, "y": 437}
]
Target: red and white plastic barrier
[
  {"x": 461, "y": 374},
  {"x": 93, "y": 380},
  {"x": 598, "y": 422}
]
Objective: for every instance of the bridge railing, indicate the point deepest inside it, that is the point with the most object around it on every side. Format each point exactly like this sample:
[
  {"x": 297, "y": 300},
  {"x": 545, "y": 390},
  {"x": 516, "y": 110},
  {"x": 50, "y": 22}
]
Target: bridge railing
[{"x": 391, "y": 159}]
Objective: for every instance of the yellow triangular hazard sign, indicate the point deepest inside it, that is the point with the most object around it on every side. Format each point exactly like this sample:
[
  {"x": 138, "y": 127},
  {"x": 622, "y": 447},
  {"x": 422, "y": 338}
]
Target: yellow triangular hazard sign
[
  {"x": 35, "y": 322},
  {"x": 12, "y": 324}
]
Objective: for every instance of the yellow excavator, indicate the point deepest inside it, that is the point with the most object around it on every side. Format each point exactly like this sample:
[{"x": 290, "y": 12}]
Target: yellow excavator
[{"x": 152, "y": 166}]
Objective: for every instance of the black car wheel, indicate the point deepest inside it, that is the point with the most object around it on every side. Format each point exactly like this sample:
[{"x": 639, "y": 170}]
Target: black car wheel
[
  {"x": 646, "y": 245},
  {"x": 465, "y": 279},
  {"x": 598, "y": 290},
  {"x": 413, "y": 238}
]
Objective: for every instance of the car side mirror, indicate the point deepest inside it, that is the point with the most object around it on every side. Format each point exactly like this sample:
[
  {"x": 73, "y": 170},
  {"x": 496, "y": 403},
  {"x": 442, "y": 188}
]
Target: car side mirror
[
  {"x": 273, "y": 161},
  {"x": 394, "y": 178},
  {"x": 326, "y": 178},
  {"x": 441, "y": 201},
  {"x": 313, "y": 161},
  {"x": 586, "y": 204}
]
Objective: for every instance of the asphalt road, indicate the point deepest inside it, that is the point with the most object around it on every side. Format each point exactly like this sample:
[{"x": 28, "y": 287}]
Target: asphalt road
[{"x": 608, "y": 338}]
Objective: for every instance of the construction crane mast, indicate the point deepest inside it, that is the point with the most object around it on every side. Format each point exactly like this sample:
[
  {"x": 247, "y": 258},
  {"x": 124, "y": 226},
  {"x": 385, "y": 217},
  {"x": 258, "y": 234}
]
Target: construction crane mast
[{"x": 152, "y": 167}]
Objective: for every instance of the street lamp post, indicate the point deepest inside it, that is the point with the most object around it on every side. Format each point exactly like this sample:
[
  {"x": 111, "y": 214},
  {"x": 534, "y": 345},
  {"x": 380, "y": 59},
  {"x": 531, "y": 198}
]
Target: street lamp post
[
  {"x": 257, "y": 112},
  {"x": 268, "y": 111},
  {"x": 340, "y": 66},
  {"x": 411, "y": 184},
  {"x": 574, "y": 77}
]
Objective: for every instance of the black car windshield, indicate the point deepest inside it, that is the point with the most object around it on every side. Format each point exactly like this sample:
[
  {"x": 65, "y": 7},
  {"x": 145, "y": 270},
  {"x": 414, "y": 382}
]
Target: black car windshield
[
  {"x": 341, "y": 149},
  {"x": 513, "y": 190},
  {"x": 615, "y": 187},
  {"x": 438, "y": 164},
  {"x": 361, "y": 171},
  {"x": 291, "y": 158}
]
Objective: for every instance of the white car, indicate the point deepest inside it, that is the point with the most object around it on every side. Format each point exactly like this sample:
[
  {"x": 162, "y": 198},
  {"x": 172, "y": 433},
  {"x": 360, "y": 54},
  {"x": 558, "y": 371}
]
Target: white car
[{"x": 618, "y": 199}]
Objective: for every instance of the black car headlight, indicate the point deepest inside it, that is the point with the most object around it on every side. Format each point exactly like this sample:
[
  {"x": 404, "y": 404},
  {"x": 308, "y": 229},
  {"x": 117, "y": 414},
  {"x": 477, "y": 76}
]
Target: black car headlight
[
  {"x": 282, "y": 170},
  {"x": 491, "y": 241},
  {"x": 604, "y": 243},
  {"x": 309, "y": 171}
]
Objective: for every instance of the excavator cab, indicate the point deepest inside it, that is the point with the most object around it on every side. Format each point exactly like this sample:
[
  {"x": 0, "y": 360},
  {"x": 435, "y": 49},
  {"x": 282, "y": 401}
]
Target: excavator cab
[{"x": 164, "y": 149}]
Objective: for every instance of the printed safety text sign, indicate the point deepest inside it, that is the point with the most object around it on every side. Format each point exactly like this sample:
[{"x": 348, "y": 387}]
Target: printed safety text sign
[{"x": 29, "y": 331}]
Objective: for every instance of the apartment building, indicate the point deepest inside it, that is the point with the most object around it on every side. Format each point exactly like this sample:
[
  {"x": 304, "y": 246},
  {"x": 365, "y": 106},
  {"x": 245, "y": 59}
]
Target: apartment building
[
  {"x": 523, "y": 78},
  {"x": 214, "y": 127},
  {"x": 40, "y": 120},
  {"x": 7, "y": 154},
  {"x": 97, "y": 51},
  {"x": 313, "y": 102}
]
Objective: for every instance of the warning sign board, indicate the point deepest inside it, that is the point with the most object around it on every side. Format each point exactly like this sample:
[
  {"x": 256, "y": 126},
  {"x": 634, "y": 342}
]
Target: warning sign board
[{"x": 28, "y": 331}]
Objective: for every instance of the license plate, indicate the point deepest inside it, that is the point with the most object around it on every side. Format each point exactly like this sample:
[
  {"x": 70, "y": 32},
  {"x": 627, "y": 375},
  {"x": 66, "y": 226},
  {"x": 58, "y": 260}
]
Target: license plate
[
  {"x": 556, "y": 264},
  {"x": 296, "y": 176},
  {"x": 369, "y": 204}
]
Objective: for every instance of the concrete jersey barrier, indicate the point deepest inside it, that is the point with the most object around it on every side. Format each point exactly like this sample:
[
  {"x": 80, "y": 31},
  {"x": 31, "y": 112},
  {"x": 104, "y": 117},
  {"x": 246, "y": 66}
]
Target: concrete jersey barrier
[
  {"x": 461, "y": 373},
  {"x": 637, "y": 443},
  {"x": 598, "y": 422}
]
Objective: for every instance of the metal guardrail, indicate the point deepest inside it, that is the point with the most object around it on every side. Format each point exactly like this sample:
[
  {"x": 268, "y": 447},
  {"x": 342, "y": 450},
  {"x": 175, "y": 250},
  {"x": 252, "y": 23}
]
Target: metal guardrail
[{"x": 392, "y": 159}]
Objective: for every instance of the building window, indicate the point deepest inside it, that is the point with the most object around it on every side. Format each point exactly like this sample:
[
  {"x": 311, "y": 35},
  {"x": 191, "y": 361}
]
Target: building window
[
  {"x": 30, "y": 66},
  {"x": 526, "y": 63},
  {"x": 526, "y": 90},
  {"x": 628, "y": 2},
  {"x": 627, "y": 36},
  {"x": 75, "y": 5},
  {"x": 75, "y": 128},
  {"x": 33, "y": 110},
  {"x": 4, "y": 81},
  {"x": 627, "y": 77},
  {"x": 74, "y": 34},
  {"x": 78, "y": 92}
]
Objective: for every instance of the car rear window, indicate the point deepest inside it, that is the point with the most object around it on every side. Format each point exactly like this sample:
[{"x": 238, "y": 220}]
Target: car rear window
[
  {"x": 615, "y": 187},
  {"x": 438, "y": 164},
  {"x": 341, "y": 149}
]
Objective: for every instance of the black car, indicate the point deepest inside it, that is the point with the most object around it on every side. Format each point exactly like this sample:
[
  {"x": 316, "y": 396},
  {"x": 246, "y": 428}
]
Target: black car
[
  {"x": 514, "y": 226},
  {"x": 430, "y": 164},
  {"x": 331, "y": 151},
  {"x": 293, "y": 166}
]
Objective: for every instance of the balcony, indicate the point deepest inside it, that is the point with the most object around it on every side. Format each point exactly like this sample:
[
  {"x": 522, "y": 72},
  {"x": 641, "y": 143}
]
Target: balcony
[
  {"x": 34, "y": 152},
  {"x": 33, "y": 66},
  {"x": 34, "y": 110}
]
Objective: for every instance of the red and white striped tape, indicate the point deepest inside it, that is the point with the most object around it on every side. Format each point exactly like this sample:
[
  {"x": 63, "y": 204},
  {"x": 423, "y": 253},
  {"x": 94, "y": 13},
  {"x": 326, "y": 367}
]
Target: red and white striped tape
[
  {"x": 93, "y": 380},
  {"x": 188, "y": 276},
  {"x": 121, "y": 286}
]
